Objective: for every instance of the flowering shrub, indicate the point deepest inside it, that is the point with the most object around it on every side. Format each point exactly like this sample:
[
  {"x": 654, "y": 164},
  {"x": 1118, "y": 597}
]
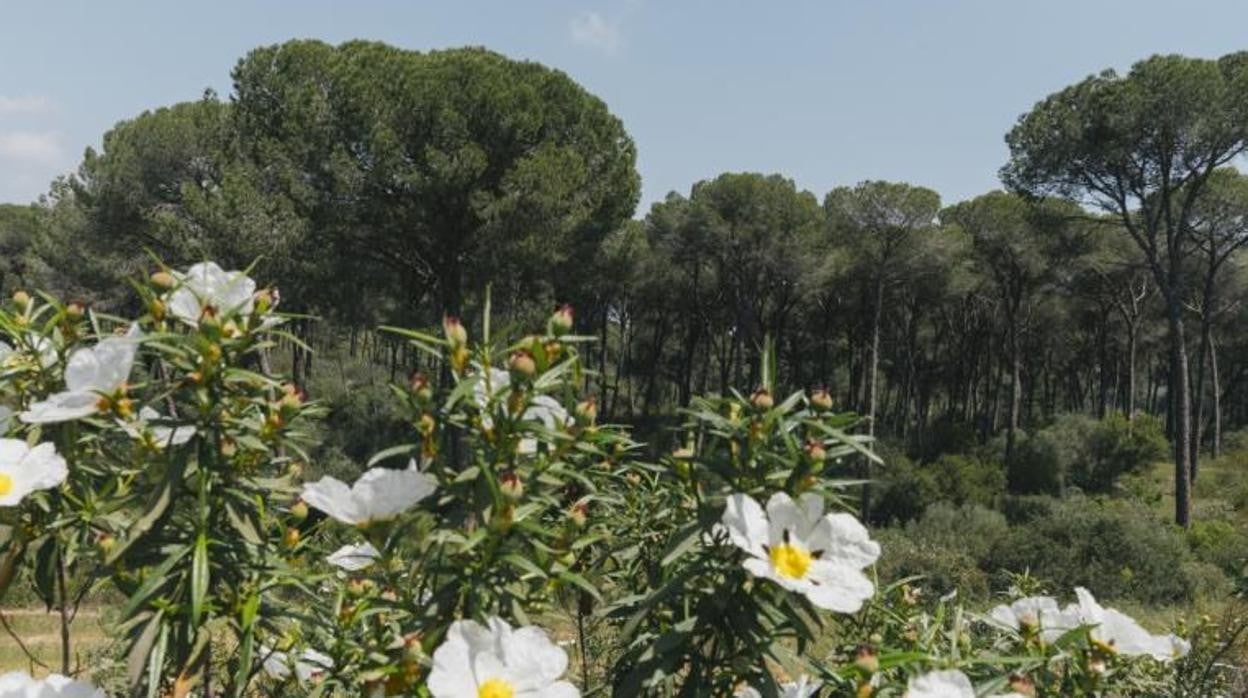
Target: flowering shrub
[{"x": 162, "y": 456}]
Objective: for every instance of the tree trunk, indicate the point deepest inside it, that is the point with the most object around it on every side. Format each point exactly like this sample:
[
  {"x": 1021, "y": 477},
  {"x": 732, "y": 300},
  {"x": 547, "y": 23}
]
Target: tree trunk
[
  {"x": 1216, "y": 445},
  {"x": 873, "y": 368},
  {"x": 1131, "y": 346},
  {"x": 1181, "y": 409},
  {"x": 1016, "y": 387}
]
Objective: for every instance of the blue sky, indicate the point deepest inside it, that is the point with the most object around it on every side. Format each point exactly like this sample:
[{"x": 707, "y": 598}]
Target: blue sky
[{"x": 828, "y": 93}]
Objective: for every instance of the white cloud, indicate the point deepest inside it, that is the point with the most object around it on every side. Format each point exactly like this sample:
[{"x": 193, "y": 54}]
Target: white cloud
[
  {"x": 595, "y": 31},
  {"x": 31, "y": 146},
  {"x": 30, "y": 104}
]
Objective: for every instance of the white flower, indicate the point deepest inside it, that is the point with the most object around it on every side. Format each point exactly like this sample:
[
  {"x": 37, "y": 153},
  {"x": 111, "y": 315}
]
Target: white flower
[
  {"x": 90, "y": 372},
  {"x": 161, "y": 435},
  {"x": 354, "y": 558},
  {"x": 24, "y": 469},
  {"x": 19, "y": 684},
  {"x": 1127, "y": 636},
  {"x": 802, "y": 688},
  {"x": 498, "y": 662},
  {"x": 379, "y": 494},
  {"x": 208, "y": 285},
  {"x": 311, "y": 664},
  {"x": 1034, "y": 612},
  {"x": 945, "y": 684},
  {"x": 800, "y": 548},
  {"x": 543, "y": 408}
]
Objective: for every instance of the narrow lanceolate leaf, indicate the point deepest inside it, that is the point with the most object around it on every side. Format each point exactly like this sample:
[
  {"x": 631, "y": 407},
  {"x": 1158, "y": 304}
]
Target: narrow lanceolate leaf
[
  {"x": 243, "y": 524},
  {"x": 156, "y": 578},
  {"x": 136, "y": 659},
  {"x": 400, "y": 450},
  {"x": 199, "y": 578}
]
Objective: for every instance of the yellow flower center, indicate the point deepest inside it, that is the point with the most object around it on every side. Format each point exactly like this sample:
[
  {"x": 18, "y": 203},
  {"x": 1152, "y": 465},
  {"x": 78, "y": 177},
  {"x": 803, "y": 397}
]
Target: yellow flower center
[
  {"x": 6, "y": 484},
  {"x": 790, "y": 561},
  {"x": 495, "y": 688}
]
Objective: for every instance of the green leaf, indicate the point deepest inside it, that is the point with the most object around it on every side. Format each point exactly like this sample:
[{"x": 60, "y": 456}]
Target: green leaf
[
  {"x": 200, "y": 578},
  {"x": 400, "y": 450},
  {"x": 156, "y": 578},
  {"x": 136, "y": 658}
]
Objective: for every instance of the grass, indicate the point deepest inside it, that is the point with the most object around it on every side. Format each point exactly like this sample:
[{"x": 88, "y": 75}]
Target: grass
[{"x": 40, "y": 632}]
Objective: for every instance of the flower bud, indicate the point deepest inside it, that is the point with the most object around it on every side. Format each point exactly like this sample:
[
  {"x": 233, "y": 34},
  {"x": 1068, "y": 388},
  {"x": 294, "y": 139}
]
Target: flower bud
[
  {"x": 75, "y": 310},
  {"x": 291, "y": 538},
  {"x": 816, "y": 451},
  {"x": 106, "y": 543},
  {"x": 821, "y": 400},
  {"x": 579, "y": 514},
  {"x": 292, "y": 396},
  {"x": 459, "y": 359},
  {"x": 454, "y": 331},
  {"x": 1023, "y": 685},
  {"x": 867, "y": 659},
  {"x": 420, "y": 386},
  {"x": 22, "y": 299},
  {"x": 158, "y": 309},
  {"x": 522, "y": 365},
  {"x": 510, "y": 485},
  {"x": 762, "y": 400},
  {"x": 561, "y": 320},
  {"x": 163, "y": 280},
  {"x": 587, "y": 410},
  {"x": 299, "y": 510},
  {"x": 426, "y": 425},
  {"x": 263, "y": 300},
  {"x": 412, "y": 648}
]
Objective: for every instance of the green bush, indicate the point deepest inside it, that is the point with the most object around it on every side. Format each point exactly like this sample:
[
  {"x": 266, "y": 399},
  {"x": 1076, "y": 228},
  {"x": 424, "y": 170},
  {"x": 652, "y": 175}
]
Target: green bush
[
  {"x": 946, "y": 546},
  {"x": 905, "y": 489},
  {"x": 968, "y": 479},
  {"x": 1115, "y": 548},
  {"x": 942, "y": 568},
  {"x": 1079, "y": 451},
  {"x": 1036, "y": 467},
  {"x": 1116, "y": 447},
  {"x": 902, "y": 490},
  {"x": 1219, "y": 543}
]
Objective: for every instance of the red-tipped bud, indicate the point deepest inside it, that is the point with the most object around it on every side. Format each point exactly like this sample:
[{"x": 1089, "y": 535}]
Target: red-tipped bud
[
  {"x": 522, "y": 365},
  {"x": 579, "y": 514},
  {"x": 821, "y": 400},
  {"x": 561, "y": 320},
  {"x": 510, "y": 485},
  {"x": 454, "y": 331},
  {"x": 762, "y": 399},
  {"x": 587, "y": 410}
]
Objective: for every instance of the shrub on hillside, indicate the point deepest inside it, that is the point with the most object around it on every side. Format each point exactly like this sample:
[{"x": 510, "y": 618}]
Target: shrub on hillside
[
  {"x": 906, "y": 489},
  {"x": 1115, "y": 548},
  {"x": 968, "y": 479},
  {"x": 1220, "y": 543},
  {"x": 902, "y": 490},
  {"x": 1082, "y": 452}
]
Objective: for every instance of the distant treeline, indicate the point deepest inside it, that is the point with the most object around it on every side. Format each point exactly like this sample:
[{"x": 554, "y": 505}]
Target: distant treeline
[{"x": 377, "y": 185}]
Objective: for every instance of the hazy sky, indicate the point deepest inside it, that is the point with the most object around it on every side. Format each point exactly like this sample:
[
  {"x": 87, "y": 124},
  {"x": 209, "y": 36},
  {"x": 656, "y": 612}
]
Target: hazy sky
[{"x": 828, "y": 92}]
